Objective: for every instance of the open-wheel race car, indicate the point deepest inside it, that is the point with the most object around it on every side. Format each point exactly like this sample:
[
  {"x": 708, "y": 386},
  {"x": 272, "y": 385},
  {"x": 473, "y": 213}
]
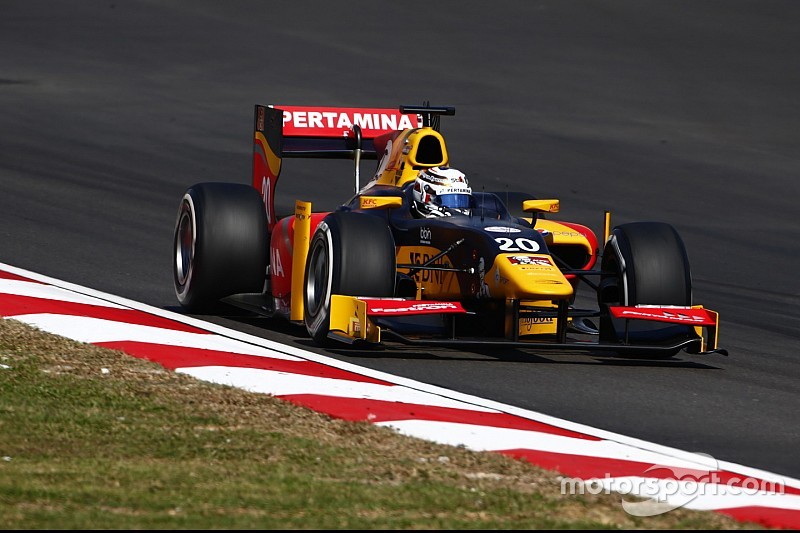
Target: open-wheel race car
[{"x": 475, "y": 268}]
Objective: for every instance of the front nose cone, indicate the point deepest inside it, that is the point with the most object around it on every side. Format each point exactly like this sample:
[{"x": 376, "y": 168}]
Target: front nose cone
[{"x": 528, "y": 276}]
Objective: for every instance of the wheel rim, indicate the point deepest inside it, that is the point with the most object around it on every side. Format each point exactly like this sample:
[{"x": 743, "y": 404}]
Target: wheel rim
[
  {"x": 317, "y": 282},
  {"x": 184, "y": 248}
]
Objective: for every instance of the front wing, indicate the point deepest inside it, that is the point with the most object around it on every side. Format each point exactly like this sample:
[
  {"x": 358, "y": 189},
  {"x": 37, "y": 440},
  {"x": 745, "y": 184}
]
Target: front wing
[{"x": 355, "y": 320}]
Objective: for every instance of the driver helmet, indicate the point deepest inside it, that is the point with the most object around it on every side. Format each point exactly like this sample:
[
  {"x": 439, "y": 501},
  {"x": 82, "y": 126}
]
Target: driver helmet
[{"x": 441, "y": 191}]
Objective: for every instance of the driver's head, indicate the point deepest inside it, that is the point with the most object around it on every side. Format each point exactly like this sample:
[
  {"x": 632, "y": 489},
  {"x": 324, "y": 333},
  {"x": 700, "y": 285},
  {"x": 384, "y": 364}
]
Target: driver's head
[{"x": 438, "y": 190}]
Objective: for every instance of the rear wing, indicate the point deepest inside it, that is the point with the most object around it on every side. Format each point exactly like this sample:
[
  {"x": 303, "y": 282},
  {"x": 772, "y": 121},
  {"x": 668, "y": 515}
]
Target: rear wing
[{"x": 317, "y": 132}]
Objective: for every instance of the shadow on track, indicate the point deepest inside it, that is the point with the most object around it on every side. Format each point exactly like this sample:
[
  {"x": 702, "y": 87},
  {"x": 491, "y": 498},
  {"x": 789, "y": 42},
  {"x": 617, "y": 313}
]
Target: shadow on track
[
  {"x": 514, "y": 355},
  {"x": 296, "y": 335}
]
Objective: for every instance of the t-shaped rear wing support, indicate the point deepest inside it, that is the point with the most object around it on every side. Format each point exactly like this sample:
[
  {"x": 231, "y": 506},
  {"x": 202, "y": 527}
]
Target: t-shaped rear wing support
[{"x": 431, "y": 116}]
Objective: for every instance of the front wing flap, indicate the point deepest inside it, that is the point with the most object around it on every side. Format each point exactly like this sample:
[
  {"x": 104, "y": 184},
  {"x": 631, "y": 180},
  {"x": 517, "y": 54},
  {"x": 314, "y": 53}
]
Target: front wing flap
[
  {"x": 357, "y": 319},
  {"x": 351, "y": 317}
]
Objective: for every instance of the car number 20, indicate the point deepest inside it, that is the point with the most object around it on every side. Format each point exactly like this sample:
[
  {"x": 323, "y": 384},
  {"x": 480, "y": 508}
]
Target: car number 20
[{"x": 520, "y": 244}]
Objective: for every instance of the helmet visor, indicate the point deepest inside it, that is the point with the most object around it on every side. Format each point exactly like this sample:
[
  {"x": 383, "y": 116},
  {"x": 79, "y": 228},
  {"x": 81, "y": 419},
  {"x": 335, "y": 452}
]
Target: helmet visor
[{"x": 454, "y": 201}]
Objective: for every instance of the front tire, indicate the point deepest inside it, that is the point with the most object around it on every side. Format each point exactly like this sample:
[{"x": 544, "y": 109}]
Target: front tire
[
  {"x": 352, "y": 254},
  {"x": 220, "y": 246},
  {"x": 644, "y": 263}
]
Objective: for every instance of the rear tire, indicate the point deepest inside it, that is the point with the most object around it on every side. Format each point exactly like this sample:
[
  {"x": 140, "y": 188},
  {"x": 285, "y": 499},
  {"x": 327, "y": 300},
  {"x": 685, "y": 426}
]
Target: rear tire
[
  {"x": 645, "y": 263},
  {"x": 352, "y": 254},
  {"x": 220, "y": 246}
]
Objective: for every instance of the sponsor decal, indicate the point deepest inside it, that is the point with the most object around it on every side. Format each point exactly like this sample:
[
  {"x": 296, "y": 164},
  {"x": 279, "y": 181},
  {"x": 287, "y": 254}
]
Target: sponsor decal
[
  {"x": 662, "y": 314},
  {"x": 535, "y": 320},
  {"x": 368, "y": 202},
  {"x": 265, "y": 195},
  {"x": 682, "y": 316},
  {"x": 455, "y": 190},
  {"x": 340, "y": 121},
  {"x": 502, "y": 229},
  {"x": 260, "y": 120},
  {"x": 425, "y": 235},
  {"x": 432, "y": 276},
  {"x": 532, "y": 325},
  {"x": 484, "y": 291},
  {"x": 275, "y": 266},
  {"x": 439, "y": 180},
  {"x": 528, "y": 260},
  {"x": 417, "y": 307},
  {"x": 557, "y": 233}
]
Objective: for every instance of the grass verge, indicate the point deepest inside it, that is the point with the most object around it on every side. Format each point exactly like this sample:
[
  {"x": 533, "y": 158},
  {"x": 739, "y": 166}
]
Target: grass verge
[{"x": 95, "y": 439}]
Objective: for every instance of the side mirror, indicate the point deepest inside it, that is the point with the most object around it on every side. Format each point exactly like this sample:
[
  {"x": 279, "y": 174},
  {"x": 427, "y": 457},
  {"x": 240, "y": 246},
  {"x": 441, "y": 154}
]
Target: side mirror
[{"x": 541, "y": 206}]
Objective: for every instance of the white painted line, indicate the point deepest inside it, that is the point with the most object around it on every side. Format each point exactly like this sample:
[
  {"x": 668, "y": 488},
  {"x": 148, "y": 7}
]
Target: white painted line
[
  {"x": 280, "y": 383},
  {"x": 37, "y": 290},
  {"x": 483, "y": 438},
  {"x": 96, "y": 330}
]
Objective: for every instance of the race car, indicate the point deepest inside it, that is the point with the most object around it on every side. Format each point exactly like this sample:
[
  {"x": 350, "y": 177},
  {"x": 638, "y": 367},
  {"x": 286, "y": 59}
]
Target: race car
[{"x": 495, "y": 269}]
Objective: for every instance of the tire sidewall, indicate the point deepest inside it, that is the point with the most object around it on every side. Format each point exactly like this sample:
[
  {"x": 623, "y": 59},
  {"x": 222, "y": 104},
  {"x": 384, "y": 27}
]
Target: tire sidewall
[
  {"x": 183, "y": 269},
  {"x": 317, "y": 317},
  {"x": 359, "y": 256},
  {"x": 651, "y": 262}
]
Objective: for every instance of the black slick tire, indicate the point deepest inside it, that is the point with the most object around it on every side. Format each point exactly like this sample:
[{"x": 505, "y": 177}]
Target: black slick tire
[
  {"x": 644, "y": 263},
  {"x": 351, "y": 254},
  {"x": 220, "y": 244}
]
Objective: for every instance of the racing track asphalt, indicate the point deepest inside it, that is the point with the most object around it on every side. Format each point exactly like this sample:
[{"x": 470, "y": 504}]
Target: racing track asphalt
[{"x": 681, "y": 111}]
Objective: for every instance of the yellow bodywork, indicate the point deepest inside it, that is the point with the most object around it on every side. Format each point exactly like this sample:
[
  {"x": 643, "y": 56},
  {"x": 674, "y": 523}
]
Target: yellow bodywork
[
  {"x": 560, "y": 234},
  {"x": 432, "y": 284},
  {"x": 541, "y": 206},
  {"x": 536, "y": 325},
  {"x": 407, "y": 152},
  {"x": 710, "y": 340},
  {"x": 534, "y": 280},
  {"x": 272, "y": 160},
  {"x": 302, "y": 236},
  {"x": 379, "y": 202},
  {"x": 349, "y": 316},
  {"x": 527, "y": 276}
]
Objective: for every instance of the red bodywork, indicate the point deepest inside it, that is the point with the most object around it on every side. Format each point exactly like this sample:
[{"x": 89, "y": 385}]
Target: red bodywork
[{"x": 280, "y": 254}]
